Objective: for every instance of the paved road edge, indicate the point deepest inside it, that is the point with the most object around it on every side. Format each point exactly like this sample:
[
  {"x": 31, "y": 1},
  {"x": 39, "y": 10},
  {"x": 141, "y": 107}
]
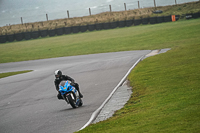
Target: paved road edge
[{"x": 96, "y": 112}]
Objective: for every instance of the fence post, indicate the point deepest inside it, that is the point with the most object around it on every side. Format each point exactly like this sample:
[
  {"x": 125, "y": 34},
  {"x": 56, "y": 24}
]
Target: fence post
[
  {"x": 110, "y": 8},
  {"x": 47, "y": 16},
  {"x": 155, "y": 3},
  {"x": 68, "y": 13},
  {"x": 125, "y": 6},
  {"x": 139, "y": 4},
  {"x": 90, "y": 11},
  {"x": 21, "y": 20}
]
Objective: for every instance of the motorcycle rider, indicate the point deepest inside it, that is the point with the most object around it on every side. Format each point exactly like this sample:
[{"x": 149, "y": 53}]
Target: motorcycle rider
[{"x": 59, "y": 78}]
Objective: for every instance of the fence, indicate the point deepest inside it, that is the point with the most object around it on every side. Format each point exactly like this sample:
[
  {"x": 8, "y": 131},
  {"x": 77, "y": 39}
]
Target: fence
[
  {"x": 92, "y": 27},
  {"x": 109, "y": 8},
  {"x": 34, "y": 16},
  {"x": 27, "y": 35}
]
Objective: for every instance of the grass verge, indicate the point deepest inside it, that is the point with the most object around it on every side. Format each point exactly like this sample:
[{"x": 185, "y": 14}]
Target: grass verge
[
  {"x": 3, "y": 75},
  {"x": 166, "y": 95},
  {"x": 164, "y": 35}
]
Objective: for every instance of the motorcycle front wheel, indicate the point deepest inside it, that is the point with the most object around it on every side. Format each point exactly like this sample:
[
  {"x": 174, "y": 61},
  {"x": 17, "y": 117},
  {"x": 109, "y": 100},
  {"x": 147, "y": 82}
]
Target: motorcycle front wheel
[{"x": 72, "y": 101}]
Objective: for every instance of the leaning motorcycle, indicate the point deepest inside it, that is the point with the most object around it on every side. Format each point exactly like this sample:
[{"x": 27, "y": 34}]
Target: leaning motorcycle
[{"x": 70, "y": 94}]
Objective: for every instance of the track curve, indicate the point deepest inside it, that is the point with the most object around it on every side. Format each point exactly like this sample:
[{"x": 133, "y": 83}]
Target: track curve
[{"x": 28, "y": 102}]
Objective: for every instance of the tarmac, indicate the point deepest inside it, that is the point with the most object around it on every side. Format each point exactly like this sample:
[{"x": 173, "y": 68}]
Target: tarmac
[{"x": 121, "y": 95}]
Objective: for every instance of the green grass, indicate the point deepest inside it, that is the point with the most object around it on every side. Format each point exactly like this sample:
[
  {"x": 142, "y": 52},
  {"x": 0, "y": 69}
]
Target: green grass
[
  {"x": 157, "y": 36},
  {"x": 3, "y": 75},
  {"x": 166, "y": 95}
]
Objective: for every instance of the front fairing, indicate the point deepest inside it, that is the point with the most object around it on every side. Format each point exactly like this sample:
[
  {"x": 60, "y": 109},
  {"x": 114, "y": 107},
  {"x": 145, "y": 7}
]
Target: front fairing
[{"x": 66, "y": 88}]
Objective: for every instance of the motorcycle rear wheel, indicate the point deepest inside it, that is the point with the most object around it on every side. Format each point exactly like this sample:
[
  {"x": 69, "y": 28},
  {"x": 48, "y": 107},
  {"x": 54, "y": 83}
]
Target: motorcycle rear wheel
[{"x": 81, "y": 103}]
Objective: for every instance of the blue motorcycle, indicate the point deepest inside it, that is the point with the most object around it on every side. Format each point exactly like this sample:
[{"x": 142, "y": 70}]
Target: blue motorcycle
[{"x": 70, "y": 94}]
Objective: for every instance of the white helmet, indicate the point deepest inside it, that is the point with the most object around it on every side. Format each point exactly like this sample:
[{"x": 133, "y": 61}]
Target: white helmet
[{"x": 58, "y": 73}]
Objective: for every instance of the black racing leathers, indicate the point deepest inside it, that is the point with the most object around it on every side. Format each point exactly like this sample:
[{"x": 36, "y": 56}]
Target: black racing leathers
[{"x": 65, "y": 77}]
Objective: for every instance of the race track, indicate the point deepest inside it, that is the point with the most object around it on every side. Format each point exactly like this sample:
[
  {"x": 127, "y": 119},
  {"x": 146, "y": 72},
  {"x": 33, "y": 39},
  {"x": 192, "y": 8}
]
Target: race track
[{"x": 28, "y": 102}]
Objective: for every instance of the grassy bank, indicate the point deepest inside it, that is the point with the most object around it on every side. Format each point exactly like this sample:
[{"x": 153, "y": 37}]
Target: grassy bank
[
  {"x": 179, "y": 9},
  {"x": 164, "y": 35},
  {"x": 166, "y": 94},
  {"x": 3, "y": 75}
]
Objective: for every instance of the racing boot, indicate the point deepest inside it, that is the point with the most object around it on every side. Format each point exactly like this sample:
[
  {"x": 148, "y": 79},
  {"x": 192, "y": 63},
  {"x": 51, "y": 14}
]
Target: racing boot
[
  {"x": 59, "y": 96},
  {"x": 77, "y": 87},
  {"x": 81, "y": 96}
]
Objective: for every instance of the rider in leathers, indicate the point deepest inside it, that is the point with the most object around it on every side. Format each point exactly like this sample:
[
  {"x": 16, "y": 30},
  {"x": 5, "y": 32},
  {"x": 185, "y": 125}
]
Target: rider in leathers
[{"x": 59, "y": 78}]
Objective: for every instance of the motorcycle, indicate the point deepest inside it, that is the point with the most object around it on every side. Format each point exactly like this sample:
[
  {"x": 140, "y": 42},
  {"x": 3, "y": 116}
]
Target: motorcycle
[{"x": 70, "y": 94}]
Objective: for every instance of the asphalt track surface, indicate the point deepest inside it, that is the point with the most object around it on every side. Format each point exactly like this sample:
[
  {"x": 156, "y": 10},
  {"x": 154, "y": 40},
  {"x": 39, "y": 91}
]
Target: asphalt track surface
[{"x": 28, "y": 102}]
